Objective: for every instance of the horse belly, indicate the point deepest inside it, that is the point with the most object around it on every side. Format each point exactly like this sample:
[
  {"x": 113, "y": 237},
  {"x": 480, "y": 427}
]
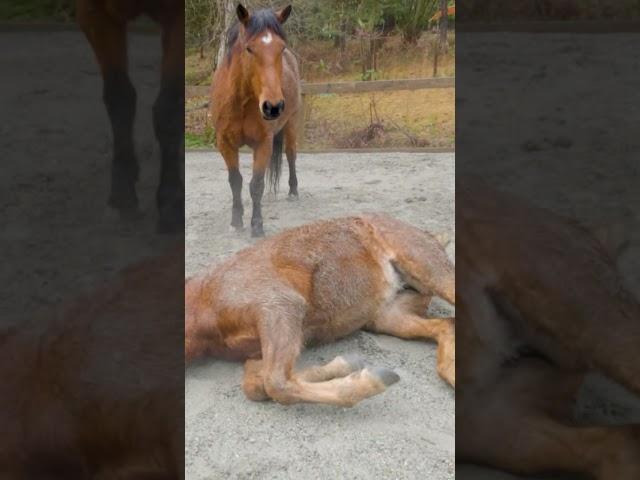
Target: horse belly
[{"x": 341, "y": 319}]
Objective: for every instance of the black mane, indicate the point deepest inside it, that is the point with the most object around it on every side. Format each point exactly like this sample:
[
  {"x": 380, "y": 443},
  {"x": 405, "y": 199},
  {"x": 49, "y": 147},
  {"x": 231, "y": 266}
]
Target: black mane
[{"x": 259, "y": 21}]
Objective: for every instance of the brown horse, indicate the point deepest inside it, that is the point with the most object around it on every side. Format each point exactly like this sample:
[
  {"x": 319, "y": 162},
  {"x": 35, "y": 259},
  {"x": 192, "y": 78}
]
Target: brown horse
[
  {"x": 255, "y": 101},
  {"x": 104, "y": 22},
  {"x": 317, "y": 283}
]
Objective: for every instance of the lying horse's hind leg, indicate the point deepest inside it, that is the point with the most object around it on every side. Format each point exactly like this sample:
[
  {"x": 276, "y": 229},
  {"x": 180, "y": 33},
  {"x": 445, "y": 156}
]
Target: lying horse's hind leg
[
  {"x": 290, "y": 145},
  {"x": 108, "y": 39},
  {"x": 281, "y": 337},
  {"x": 402, "y": 320},
  {"x": 523, "y": 409},
  {"x": 168, "y": 122}
]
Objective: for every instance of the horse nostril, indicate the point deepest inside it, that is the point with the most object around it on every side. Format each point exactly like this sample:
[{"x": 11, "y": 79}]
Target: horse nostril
[{"x": 272, "y": 111}]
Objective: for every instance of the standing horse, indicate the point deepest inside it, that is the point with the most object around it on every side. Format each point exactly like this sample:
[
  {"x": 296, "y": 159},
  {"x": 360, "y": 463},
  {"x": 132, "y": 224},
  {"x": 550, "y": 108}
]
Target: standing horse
[
  {"x": 255, "y": 101},
  {"x": 104, "y": 23}
]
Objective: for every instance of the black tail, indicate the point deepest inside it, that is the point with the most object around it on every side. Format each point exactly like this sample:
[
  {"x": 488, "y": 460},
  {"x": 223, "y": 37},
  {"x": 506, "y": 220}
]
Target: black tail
[{"x": 275, "y": 167}]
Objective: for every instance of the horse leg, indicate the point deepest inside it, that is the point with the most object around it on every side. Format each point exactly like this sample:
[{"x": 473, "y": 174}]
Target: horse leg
[
  {"x": 290, "y": 145},
  {"x": 516, "y": 425},
  {"x": 168, "y": 122},
  {"x": 341, "y": 366},
  {"x": 108, "y": 38},
  {"x": 281, "y": 337},
  {"x": 261, "y": 157},
  {"x": 231, "y": 158},
  {"x": 403, "y": 319}
]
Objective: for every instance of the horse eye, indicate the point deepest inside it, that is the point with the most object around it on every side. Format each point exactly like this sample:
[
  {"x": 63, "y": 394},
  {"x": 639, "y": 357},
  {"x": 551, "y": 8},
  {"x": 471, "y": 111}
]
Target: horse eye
[{"x": 249, "y": 50}]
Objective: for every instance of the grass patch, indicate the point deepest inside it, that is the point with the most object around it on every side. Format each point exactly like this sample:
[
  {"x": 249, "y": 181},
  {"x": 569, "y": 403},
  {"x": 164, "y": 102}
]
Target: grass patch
[
  {"x": 424, "y": 118},
  {"x": 197, "y": 140}
]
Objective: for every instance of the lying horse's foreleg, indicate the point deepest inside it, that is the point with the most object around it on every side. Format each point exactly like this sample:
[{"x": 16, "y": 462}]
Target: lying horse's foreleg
[
  {"x": 252, "y": 382},
  {"x": 290, "y": 146},
  {"x": 281, "y": 337},
  {"x": 513, "y": 426},
  {"x": 108, "y": 38},
  {"x": 261, "y": 158},
  {"x": 168, "y": 122},
  {"x": 341, "y": 366},
  {"x": 402, "y": 319}
]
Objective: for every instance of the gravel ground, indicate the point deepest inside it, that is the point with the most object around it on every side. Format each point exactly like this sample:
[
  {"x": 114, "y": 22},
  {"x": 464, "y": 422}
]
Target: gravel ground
[{"x": 405, "y": 433}]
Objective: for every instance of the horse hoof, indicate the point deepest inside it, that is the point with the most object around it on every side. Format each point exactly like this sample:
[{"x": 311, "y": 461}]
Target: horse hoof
[
  {"x": 171, "y": 220},
  {"x": 293, "y": 196},
  {"x": 238, "y": 225},
  {"x": 385, "y": 375},
  {"x": 123, "y": 200},
  {"x": 169, "y": 226},
  {"x": 257, "y": 232},
  {"x": 127, "y": 215},
  {"x": 236, "y": 228}
]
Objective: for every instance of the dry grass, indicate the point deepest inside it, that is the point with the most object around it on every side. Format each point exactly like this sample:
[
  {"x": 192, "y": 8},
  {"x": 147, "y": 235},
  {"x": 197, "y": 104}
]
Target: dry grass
[{"x": 385, "y": 119}]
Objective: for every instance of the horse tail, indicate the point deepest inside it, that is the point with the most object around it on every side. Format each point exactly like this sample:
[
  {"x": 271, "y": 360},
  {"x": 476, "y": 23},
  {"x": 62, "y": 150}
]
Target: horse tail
[{"x": 275, "y": 166}]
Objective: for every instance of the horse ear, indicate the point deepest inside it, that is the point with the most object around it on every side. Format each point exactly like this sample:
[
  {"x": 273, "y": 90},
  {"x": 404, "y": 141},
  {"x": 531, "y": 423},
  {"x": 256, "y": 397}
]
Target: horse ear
[
  {"x": 283, "y": 14},
  {"x": 243, "y": 14}
]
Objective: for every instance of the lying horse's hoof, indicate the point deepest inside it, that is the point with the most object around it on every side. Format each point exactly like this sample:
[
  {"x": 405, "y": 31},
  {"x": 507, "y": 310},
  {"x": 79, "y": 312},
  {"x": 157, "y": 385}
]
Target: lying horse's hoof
[{"x": 386, "y": 376}]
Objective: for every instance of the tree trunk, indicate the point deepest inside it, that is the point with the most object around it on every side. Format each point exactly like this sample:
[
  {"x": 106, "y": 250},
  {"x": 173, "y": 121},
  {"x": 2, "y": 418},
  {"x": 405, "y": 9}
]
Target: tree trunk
[
  {"x": 443, "y": 26},
  {"x": 229, "y": 16}
]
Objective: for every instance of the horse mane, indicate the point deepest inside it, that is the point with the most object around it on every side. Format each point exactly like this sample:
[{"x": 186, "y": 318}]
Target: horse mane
[{"x": 259, "y": 21}]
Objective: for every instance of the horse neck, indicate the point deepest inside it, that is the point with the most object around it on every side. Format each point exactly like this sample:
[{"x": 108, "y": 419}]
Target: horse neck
[{"x": 240, "y": 80}]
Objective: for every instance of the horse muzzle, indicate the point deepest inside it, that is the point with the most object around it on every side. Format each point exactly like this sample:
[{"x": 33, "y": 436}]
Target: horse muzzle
[{"x": 271, "y": 111}]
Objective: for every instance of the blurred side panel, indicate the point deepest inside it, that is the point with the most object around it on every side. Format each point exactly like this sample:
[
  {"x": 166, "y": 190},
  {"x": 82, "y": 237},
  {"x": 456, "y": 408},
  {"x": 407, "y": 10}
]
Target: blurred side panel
[
  {"x": 548, "y": 240},
  {"x": 91, "y": 335}
]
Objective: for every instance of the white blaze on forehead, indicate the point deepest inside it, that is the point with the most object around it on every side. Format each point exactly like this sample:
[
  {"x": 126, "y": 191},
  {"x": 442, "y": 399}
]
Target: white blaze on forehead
[{"x": 266, "y": 38}]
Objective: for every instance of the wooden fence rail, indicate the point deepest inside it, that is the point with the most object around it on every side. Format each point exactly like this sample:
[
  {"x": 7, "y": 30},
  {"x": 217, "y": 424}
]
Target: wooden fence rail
[
  {"x": 351, "y": 87},
  {"x": 194, "y": 91}
]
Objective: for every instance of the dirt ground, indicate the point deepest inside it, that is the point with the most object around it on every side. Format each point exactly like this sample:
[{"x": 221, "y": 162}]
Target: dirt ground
[{"x": 405, "y": 433}]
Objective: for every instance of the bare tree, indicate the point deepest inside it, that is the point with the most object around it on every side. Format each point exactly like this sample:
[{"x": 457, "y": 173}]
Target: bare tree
[
  {"x": 227, "y": 16},
  {"x": 443, "y": 26}
]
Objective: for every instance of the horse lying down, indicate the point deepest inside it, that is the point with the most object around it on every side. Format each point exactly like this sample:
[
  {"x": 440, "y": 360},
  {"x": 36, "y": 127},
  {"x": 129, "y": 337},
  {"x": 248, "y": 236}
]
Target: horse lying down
[{"x": 315, "y": 284}]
